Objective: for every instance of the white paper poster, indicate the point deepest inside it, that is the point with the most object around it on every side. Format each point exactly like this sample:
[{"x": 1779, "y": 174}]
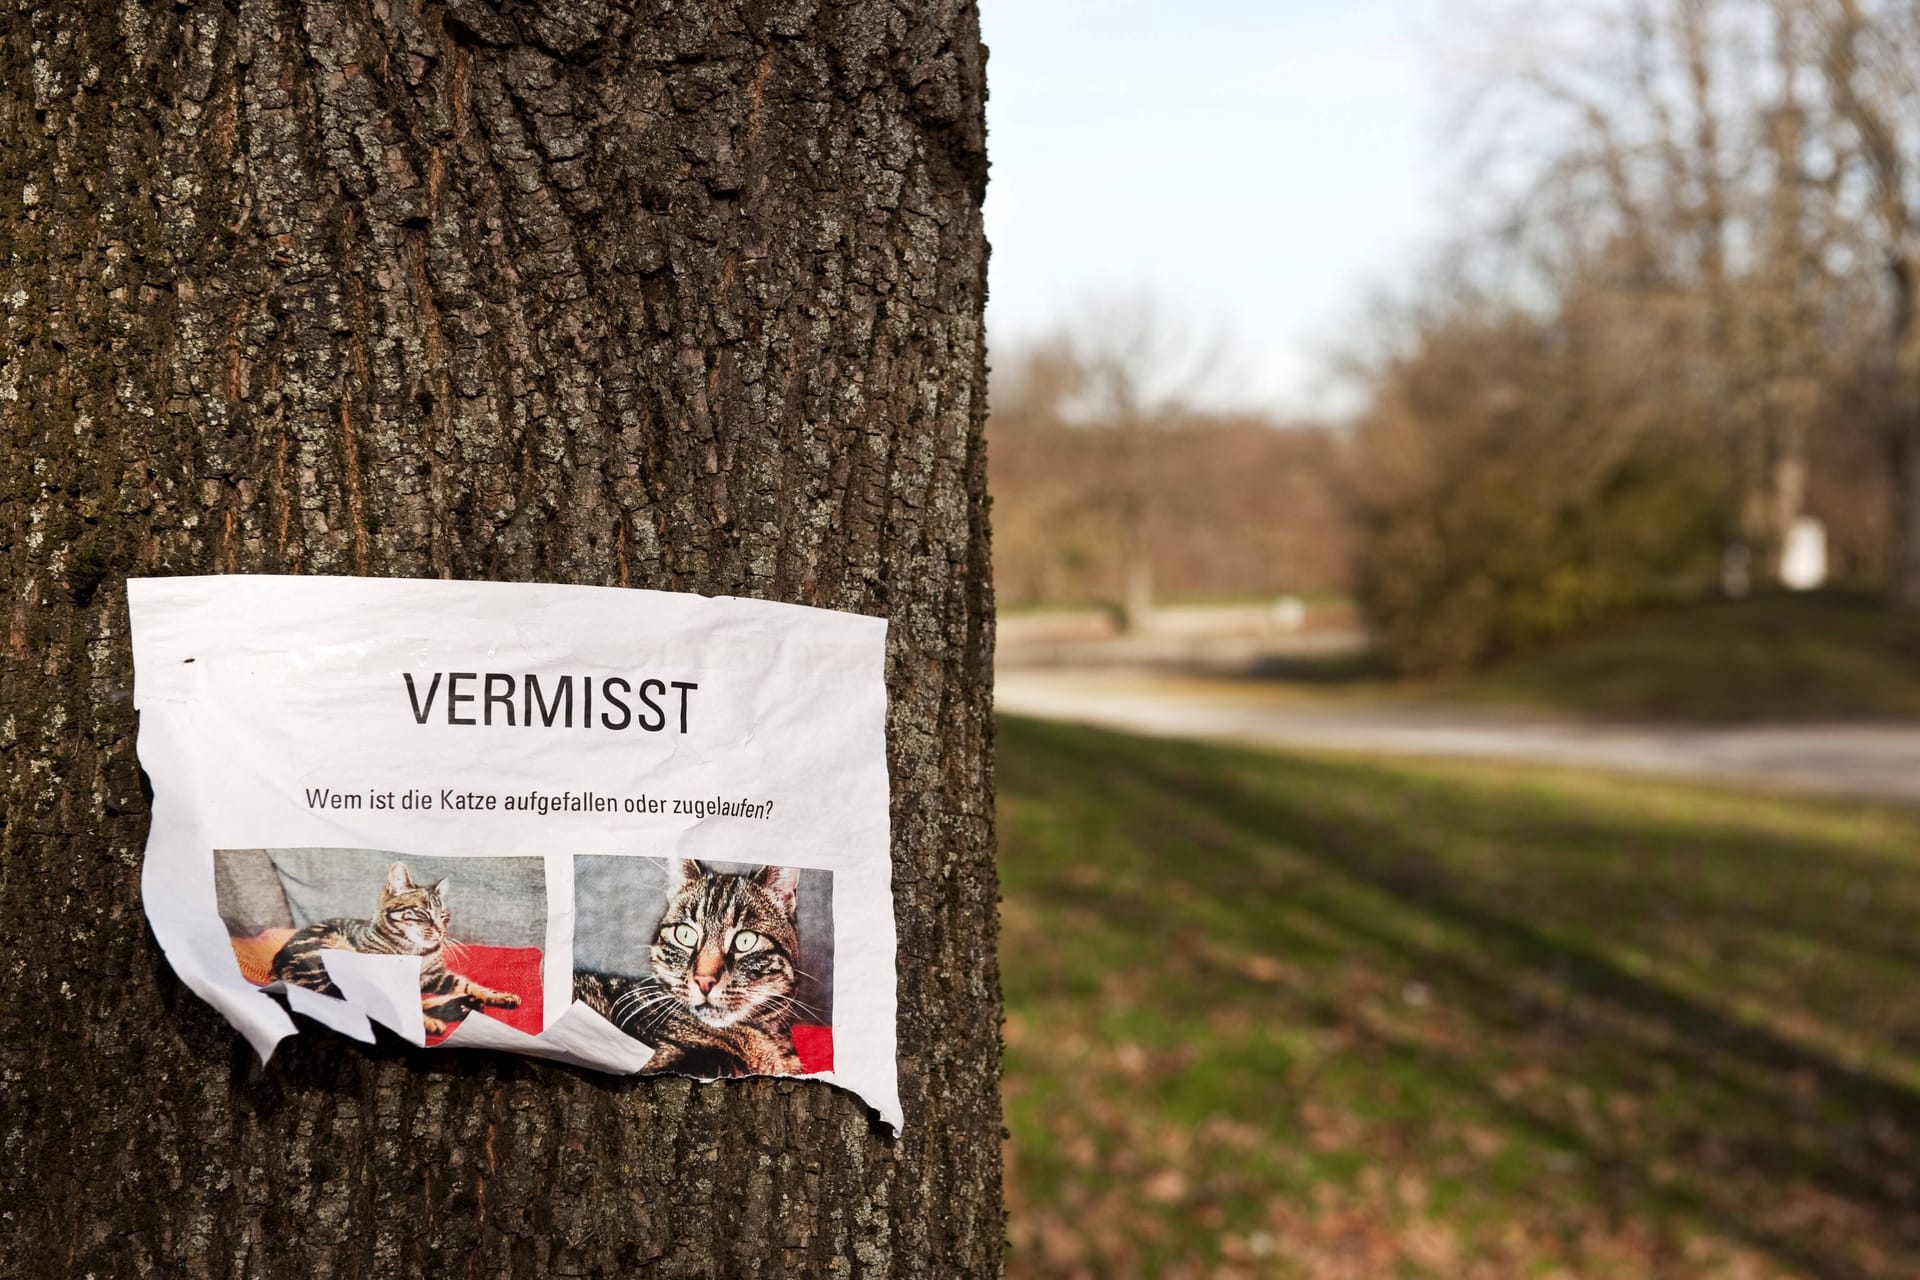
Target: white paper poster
[{"x": 637, "y": 831}]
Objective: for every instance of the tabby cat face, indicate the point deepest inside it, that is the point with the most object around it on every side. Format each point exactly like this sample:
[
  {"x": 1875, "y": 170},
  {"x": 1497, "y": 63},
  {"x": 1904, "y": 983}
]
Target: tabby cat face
[
  {"x": 727, "y": 944},
  {"x": 413, "y": 917}
]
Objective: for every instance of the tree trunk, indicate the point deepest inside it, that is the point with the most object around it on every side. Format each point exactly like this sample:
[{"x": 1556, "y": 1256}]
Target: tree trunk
[
  {"x": 1904, "y": 563},
  {"x": 661, "y": 295},
  {"x": 1136, "y": 511}
]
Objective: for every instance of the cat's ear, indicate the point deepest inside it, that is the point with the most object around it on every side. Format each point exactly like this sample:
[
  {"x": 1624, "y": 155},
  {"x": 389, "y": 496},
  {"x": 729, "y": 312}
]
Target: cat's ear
[
  {"x": 398, "y": 881},
  {"x": 684, "y": 871},
  {"x": 438, "y": 891},
  {"x": 782, "y": 882}
]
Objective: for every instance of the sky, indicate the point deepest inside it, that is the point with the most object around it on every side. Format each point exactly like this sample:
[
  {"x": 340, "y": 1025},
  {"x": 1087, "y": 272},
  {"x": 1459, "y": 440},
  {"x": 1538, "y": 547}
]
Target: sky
[{"x": 1254, "y": 166}]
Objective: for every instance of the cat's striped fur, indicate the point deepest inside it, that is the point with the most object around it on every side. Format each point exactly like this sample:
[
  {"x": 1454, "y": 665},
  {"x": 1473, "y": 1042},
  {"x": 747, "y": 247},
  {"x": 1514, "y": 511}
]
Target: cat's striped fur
[
  {"x": 719, "y": 999},
  {"x": 410, "y": 921}
]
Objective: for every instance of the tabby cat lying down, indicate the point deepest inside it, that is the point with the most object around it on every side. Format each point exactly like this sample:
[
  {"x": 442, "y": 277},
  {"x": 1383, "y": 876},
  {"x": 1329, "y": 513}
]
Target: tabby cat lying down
[
  {"x": 410, "y": 921},
  {"x": 719, "y": 1000}
]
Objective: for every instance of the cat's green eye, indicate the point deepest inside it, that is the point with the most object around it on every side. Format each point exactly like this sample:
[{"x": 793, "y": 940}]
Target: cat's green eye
[
  {"x": 745, "y": 941},
  {"x": 685, "y": 934}
]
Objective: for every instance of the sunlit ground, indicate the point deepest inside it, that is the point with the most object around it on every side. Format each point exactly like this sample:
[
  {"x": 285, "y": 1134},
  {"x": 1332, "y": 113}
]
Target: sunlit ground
[{"x": 1286, "y": 1015}]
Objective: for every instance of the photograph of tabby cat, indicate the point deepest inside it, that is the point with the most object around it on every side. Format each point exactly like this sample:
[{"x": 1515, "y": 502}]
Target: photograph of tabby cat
[
  {"x": 480, "y": 946},
  {"x": 704, "y": 962},
  {"x": 410, "y": 920}
]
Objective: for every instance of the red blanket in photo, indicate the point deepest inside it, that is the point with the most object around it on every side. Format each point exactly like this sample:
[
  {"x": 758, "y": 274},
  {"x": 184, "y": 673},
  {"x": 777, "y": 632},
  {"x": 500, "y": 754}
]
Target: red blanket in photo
[
  {"x": 814, "y": 1045},
  {"x": 514, "y": 969}
]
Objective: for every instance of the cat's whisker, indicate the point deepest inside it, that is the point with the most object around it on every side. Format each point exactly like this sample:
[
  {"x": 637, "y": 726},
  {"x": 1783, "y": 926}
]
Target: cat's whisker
[
  {"x": 786, "y": 1005},
  {"x": 652, "y": 1010},
  {"x": 638, "y": 1002},
  {"x": 635, "y": 1000},
  {"x": 647, "y": 1016}
]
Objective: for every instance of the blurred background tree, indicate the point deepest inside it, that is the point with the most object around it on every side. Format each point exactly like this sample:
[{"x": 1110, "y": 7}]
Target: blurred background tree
[
  {"x": 1692, "y": 330},
  {"x": 1675, "y": 322},
  {"x": 1114, "y": 485}
]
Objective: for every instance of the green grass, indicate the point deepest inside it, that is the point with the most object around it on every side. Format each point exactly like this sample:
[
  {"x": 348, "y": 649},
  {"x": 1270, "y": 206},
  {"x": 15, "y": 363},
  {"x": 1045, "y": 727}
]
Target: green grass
[
  {"x": 1299, "y": 1016},
  {"x": 1776, "y": 656}
]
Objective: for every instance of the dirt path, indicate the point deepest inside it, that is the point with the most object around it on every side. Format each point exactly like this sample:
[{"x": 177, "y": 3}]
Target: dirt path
[{"x": 1878, "y": 761}]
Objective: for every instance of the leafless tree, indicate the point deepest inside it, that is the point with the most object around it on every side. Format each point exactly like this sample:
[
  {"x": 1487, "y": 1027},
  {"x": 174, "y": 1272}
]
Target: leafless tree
[
  {"x": 1141, "y": 365},
  {"x": 1870, "y": 56},
  {"x": 1723, "y": 175}
]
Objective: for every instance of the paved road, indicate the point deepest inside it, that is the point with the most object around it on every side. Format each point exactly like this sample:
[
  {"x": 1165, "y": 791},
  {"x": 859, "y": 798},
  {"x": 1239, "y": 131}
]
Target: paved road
[{"x": 1878, "y": 761}]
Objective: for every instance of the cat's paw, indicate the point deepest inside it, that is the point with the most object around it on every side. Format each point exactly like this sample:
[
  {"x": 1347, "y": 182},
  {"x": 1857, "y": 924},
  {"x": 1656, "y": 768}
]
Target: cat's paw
[
  {"x": 433, "y": 1025},
  {"x": 504, "y": 1000}
]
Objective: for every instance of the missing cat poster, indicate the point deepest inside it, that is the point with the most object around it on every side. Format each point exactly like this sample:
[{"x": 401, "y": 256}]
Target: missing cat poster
[{"x": 635, "y": 831}]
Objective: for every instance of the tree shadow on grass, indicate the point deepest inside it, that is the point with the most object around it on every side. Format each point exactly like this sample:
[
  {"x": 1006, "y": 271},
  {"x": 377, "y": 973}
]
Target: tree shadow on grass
[{"x": 1754, "y": 1124}]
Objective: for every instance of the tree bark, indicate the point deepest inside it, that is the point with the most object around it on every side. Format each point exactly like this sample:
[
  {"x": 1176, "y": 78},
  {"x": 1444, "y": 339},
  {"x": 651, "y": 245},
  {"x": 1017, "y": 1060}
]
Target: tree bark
[{"x": 651, "y": 294}]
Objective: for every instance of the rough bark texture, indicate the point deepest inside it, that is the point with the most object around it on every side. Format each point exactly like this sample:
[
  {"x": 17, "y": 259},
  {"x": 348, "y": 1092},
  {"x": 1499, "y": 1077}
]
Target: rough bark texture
[{"x": 662, "y": 294}]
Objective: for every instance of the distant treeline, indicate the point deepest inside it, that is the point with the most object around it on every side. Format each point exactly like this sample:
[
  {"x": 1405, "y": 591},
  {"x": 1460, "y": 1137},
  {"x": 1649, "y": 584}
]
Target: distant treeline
[
  {"x": 1219, "y": 506},
  {"x": 1686, "y": 323}
]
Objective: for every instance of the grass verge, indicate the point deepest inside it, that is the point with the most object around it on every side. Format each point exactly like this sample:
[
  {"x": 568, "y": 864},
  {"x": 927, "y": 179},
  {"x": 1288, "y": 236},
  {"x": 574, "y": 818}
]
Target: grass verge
[
  {"x": 1828, "y": 655},
  {"x": 1282, "y": 1015}
]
